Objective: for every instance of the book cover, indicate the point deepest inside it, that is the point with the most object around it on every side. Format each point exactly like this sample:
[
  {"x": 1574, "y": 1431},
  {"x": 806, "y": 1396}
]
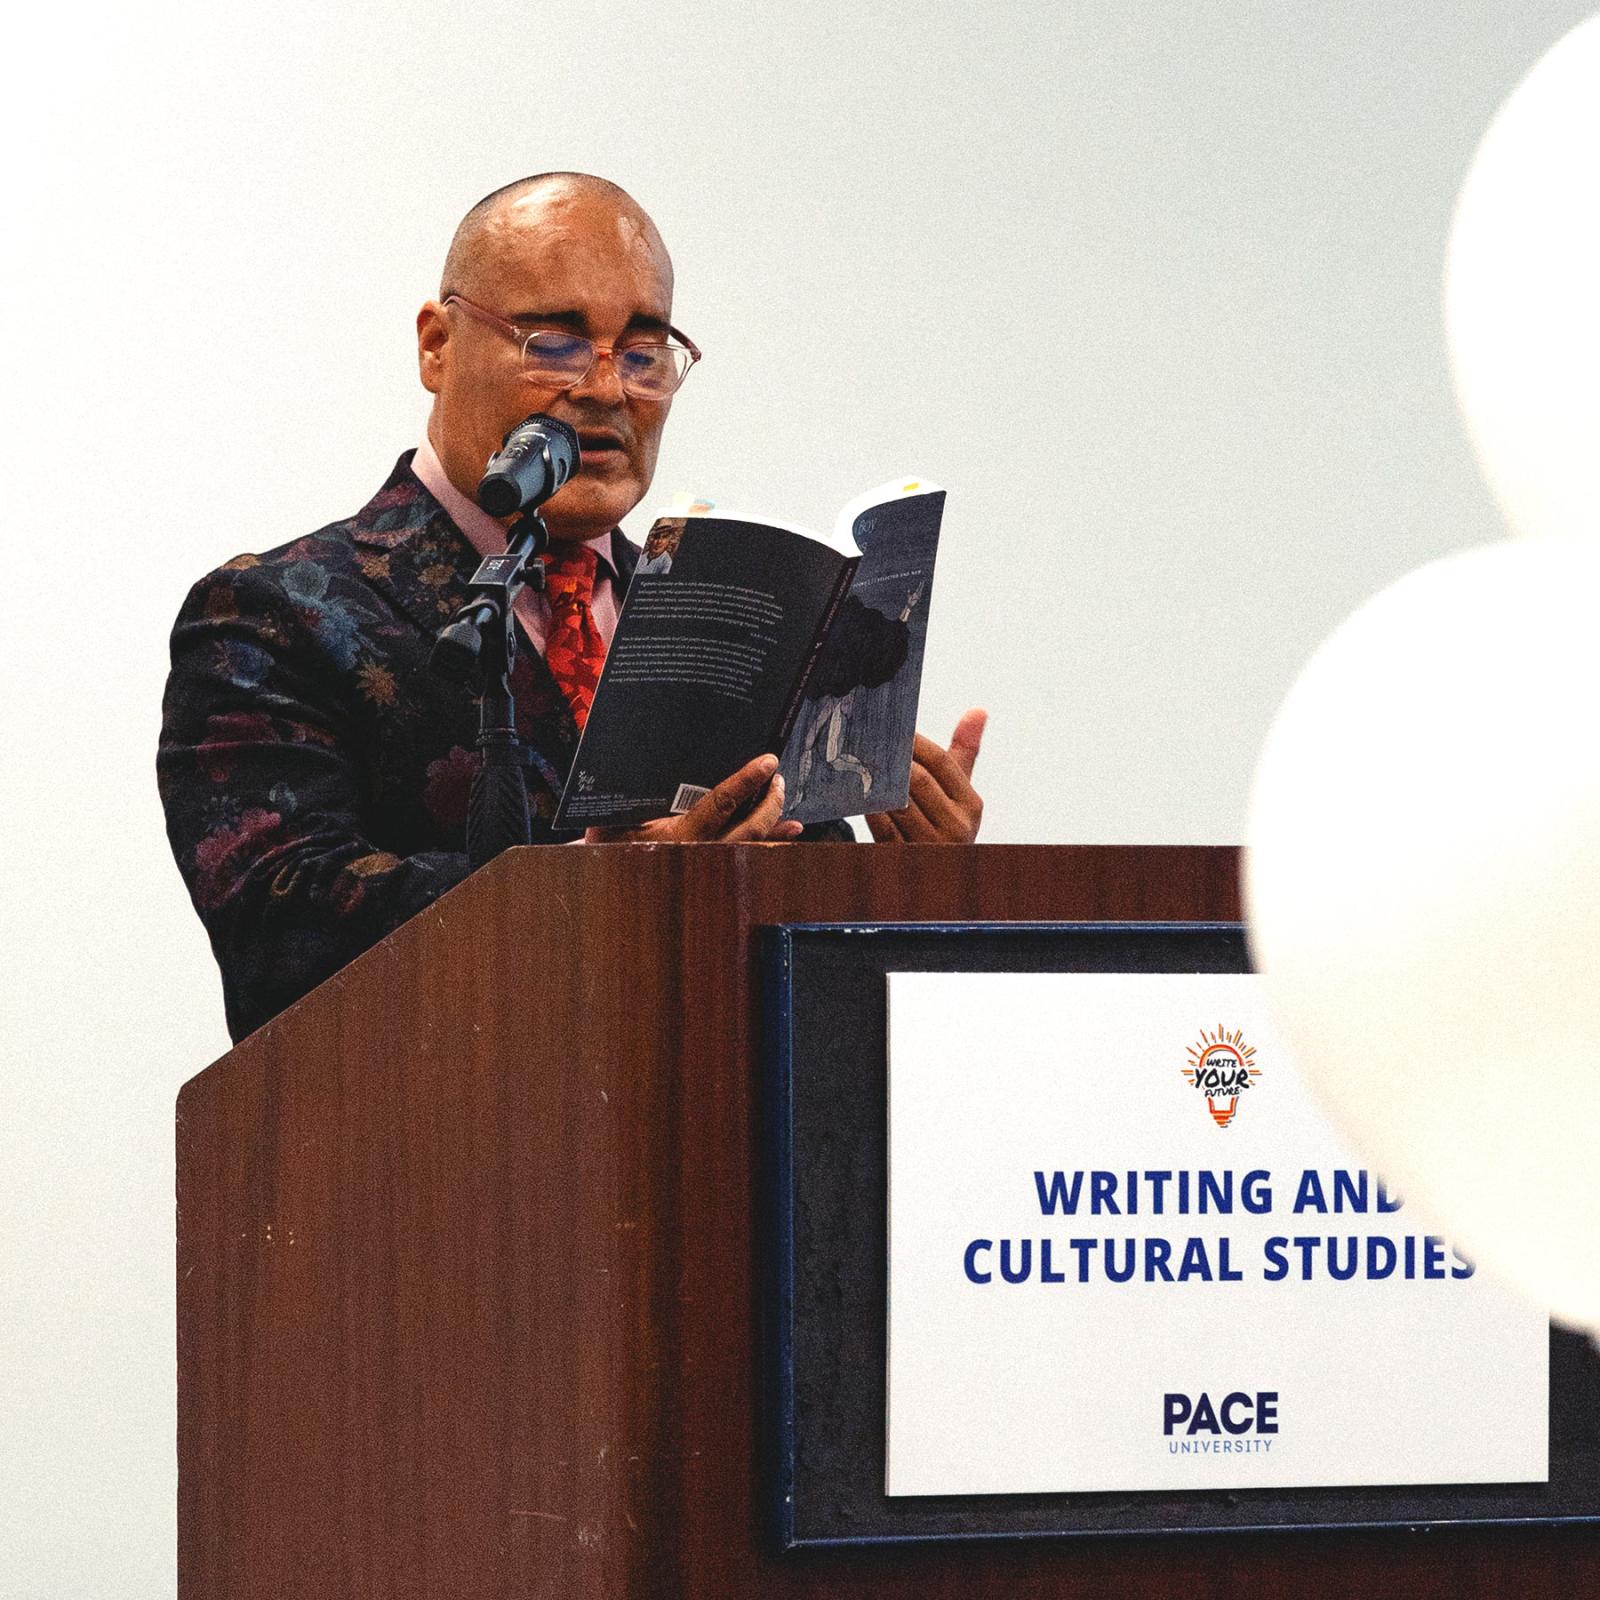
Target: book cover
[{"x": 849, "y": 751}]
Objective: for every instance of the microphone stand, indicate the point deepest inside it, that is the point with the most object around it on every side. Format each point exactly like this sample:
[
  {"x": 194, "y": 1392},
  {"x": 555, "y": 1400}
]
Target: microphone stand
[{"x": 479, "y": 646}]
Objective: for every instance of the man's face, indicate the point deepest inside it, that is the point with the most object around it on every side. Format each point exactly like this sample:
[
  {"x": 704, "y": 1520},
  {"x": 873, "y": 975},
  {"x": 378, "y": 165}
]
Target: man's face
[{"x": 575, "y": 262}]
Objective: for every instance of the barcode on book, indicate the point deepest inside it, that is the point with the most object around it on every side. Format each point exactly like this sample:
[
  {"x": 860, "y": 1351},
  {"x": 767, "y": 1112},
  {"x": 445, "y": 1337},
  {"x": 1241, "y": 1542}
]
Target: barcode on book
[{"x": 688, "y": 796}]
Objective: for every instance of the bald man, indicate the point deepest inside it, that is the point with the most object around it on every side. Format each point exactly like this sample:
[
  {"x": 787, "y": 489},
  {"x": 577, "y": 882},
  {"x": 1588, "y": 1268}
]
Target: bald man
[{"x": 315, "y": 774}]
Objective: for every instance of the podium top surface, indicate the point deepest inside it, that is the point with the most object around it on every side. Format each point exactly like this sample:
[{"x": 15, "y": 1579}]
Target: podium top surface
[{"x": 593, "y": 902}]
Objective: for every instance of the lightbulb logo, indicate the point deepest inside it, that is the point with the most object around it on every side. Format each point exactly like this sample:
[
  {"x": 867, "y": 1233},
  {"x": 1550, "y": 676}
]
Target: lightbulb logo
[{"x": 1220, "y": 1068}]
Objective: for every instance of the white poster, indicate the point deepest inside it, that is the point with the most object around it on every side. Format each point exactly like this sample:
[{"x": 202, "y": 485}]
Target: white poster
[{"x": 1127, "y": 1252}]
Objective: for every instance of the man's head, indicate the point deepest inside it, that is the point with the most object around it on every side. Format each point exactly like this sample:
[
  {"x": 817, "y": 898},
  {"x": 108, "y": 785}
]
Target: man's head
[{"x": 567, "y": 253}]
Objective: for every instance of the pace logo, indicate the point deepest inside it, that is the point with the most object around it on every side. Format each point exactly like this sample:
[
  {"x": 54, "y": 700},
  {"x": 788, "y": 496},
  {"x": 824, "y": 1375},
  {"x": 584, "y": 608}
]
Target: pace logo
[
  {"x": 1240, "y": 1423},
  {"x": 1221, "y": 1068}
]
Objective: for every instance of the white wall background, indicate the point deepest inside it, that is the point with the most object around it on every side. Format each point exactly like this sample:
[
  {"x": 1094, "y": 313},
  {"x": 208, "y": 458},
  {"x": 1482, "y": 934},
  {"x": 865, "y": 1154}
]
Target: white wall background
[{"x": 1152, "y": 288}]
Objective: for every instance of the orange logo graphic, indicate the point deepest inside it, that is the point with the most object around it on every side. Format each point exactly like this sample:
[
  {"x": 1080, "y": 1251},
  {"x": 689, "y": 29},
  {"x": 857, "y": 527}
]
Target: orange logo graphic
[{"x": 1219, "y": 1067}]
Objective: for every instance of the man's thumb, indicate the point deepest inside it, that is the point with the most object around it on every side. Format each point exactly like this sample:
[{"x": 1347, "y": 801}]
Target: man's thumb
[{"x": 968, "y": 736}]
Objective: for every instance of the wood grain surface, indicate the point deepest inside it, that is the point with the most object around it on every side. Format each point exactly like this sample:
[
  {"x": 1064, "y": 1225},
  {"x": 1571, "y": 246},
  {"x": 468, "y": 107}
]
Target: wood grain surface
[{"x": 467, "y": 1258}]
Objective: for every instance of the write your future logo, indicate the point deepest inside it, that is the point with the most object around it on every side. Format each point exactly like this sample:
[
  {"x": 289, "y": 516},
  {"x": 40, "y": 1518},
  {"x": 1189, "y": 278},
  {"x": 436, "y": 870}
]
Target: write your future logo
[{"x": 1220, "y": 1068}]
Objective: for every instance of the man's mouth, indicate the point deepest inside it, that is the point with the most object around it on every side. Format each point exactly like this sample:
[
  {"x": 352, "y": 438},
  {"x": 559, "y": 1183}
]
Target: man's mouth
[{"x": 599, "y": 444}]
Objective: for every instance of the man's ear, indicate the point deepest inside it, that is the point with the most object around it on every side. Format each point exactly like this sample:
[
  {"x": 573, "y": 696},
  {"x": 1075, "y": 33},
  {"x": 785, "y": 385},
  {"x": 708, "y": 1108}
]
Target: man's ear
[{"x": 433, "y": 339}]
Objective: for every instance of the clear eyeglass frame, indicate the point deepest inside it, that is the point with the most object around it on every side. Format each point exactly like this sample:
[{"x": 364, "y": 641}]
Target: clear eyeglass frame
[{"x": 646, "y": 369}]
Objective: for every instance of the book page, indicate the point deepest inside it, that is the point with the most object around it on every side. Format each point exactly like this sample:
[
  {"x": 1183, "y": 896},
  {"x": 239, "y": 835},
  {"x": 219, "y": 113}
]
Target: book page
[{"x": 718, "y": 623}]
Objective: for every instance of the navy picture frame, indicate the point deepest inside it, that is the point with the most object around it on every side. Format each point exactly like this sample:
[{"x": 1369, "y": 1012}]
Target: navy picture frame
[{"x": 824, "y": 1202}]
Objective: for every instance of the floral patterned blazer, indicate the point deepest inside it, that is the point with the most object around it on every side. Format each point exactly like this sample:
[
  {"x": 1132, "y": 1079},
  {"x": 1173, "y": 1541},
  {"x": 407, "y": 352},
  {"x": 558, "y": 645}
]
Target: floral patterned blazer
[{"x": 315, "y": 774}]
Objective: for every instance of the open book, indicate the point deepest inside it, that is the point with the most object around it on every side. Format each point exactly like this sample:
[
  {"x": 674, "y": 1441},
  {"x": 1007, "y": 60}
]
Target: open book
[{"x": 742, "y": 635}]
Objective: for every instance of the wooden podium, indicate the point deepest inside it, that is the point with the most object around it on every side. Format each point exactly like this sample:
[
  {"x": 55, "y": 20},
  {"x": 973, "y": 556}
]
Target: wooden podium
[{"x": 468, "y": 1254}]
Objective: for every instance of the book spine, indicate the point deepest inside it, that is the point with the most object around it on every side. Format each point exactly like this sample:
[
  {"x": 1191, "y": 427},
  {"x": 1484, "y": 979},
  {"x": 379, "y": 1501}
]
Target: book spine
[{"x": 791, "y": 711}]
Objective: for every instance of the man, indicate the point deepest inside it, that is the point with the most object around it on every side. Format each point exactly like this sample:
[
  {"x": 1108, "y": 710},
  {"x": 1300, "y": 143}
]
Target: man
[{"x": 314, "y": 772}]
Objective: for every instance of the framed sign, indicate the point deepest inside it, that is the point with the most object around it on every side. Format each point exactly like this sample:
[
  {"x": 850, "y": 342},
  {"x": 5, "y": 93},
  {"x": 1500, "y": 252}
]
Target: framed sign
[{"x": 1063, "y": 1246}]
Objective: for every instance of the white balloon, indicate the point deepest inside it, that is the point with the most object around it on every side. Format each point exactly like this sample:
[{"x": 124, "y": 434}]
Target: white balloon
[
  {"x": 1522, "y": 294},
  {"x": 1423, "y": 889}
]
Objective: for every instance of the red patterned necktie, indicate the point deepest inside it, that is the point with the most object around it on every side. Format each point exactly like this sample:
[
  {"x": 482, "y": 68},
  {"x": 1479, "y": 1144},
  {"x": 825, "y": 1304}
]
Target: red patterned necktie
[{"x": 574, "y": 651}]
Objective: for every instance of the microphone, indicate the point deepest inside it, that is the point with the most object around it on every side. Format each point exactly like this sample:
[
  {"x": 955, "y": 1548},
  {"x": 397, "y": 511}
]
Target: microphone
[{"x": 533, "y": 461}]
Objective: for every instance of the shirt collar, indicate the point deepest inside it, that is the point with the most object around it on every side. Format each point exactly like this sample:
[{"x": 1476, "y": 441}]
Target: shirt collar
[{"x": 482, "y": 532}]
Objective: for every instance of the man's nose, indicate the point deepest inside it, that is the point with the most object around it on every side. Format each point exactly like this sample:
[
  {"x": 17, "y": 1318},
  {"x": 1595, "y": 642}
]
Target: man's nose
[{"x": 601, "y": 382}]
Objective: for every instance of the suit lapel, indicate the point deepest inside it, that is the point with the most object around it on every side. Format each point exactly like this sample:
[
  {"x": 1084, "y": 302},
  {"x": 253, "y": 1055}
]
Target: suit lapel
[
  {"x": 624, "y": 558},
  {"x": 411, "y": 551}
]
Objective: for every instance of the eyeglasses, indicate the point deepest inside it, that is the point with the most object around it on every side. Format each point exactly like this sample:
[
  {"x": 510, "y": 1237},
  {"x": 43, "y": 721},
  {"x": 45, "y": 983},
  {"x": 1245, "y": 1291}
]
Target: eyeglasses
[{"x": 563, "y": 360}]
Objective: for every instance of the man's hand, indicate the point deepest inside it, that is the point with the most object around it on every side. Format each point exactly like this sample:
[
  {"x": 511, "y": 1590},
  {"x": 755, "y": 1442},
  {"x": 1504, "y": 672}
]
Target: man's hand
[
  {"x": 740, "y": 810},
  {"x": 944, "y": 807}
]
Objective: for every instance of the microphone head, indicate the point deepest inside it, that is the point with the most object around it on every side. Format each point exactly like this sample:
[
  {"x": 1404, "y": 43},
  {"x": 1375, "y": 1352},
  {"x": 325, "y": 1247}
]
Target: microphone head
[
  {"x": 533, "y": 461},
  {"x": 558, "y": 435}
]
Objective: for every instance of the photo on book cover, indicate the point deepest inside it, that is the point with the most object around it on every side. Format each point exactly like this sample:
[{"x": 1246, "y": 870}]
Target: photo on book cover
[{"x": 849, "y": 751}]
